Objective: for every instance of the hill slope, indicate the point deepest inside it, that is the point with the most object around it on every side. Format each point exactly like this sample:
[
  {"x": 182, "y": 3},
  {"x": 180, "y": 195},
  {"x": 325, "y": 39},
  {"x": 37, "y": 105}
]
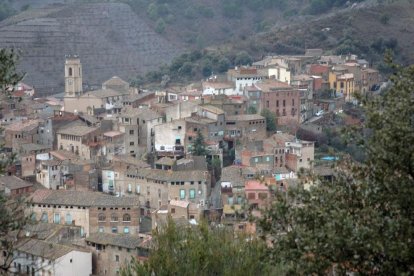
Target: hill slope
[
  {"x": 109, "y": 38},
  {"x": 367, "y": 31}
]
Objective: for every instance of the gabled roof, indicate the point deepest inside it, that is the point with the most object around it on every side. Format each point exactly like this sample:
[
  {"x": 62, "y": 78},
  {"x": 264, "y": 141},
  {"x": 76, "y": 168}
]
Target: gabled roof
[
  {"x": 81, "y": 198},
  {"x": 13, "y": 182},
  {"x": 115, "y": 80},
  {"x": 163, "y": 175},
  {"x": 102, "y": 93},
  {"x": 23, "y": 125},
  {"x": 77, "y": 130},
  {"x": 120, "y": 240},
  {"x": 273, "y": 85},
  {"x": 244, "y": 117},
  {"x": 179, "y": 203},
  {"x": 47, "y": 250},
  {"x": 212, "y": 109},
  {"x": 165, "y": 161},
  {"x": 255, "y": 185}
]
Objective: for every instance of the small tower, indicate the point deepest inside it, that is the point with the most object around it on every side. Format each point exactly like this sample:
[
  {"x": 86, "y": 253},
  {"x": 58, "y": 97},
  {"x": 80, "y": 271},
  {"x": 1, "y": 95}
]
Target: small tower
[{"x": 73, "y": 77}]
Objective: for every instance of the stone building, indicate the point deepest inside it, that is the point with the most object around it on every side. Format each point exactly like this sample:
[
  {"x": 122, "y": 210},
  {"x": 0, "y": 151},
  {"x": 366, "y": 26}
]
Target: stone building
[
  {"x": 38, "y": 257},
  {"x": 106, "y": 99},
  {"x": 156, "y": 188},
  {"x": 111, "y": 252},
  {"x": 251, "y": 126},
  {"x": 14, "y": 186},
  {"x": 76, "y": 139},
  {"x": 92, "y": 211},
  {"x": 281, "y": 99}
]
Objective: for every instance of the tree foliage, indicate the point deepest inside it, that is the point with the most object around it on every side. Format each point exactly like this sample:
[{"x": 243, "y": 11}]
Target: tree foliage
[
  {"x": 270, "y": 119},
  {"x": 8, "y": 72},
  {"x": 12, "y": 216},
  {"x": 201, "y": 250},
  {"x": 362, "y": 222},
  {"x": 199, "y": 147}
]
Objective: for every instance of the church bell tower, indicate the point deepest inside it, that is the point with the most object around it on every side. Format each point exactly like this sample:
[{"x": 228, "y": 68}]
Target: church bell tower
[{"x": 73, "y": 77}]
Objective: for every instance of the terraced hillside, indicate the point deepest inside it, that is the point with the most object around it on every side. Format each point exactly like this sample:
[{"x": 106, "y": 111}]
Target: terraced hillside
[{"x": 109, "y": 38}]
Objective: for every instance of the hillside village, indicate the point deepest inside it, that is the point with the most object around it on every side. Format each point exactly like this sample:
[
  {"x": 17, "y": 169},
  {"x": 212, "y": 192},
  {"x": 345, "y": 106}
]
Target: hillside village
[{"x": 105, "y": 167}]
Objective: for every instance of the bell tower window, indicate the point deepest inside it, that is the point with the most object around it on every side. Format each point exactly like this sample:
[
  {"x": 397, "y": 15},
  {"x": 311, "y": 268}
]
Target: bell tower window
[{"x": 70, "y": 71}]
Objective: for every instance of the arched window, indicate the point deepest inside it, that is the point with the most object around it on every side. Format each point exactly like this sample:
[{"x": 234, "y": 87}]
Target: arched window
[
  {"x": 114, "y": 217},
  {"x": 101, "y": 217},
  {"x": 126, "y": 217},
  {"x": 70, "y": 71}
]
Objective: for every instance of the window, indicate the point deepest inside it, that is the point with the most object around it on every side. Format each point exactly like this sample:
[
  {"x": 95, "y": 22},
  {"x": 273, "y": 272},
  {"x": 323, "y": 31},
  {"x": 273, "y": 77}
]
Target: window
[
  {"x": 262, "y": 195},
  {"x": 116, "y": 258},
  {"x": 126, "y": 217},
  {"x": 101, "y": 217},
  {"x": 131, "y": 143},
  {"x": 101, "y": 229},
  {"x": 267, "y": 104},
  {"x": 44, "y": 217},
  {"x": 68, "y": 219},
  {"x": 131, "y": 132},
  {"x": 114, "y": 229},
  {"x": 277, "y": 103},
  {"x": 138, "y": 189},
  {"x": 126, "y": 230},
  {"x": 192, "y": 193},
  {"x": 70, "y": 71},
  {"x": 129, "y": 188},
  {"x": 179, "y": 127},
  {"x": 57, "y": 218},
  {"x": 114, "y": 217},
  {"x": 159, "y": 193},
  {"x": 293, "y": 102},
  {"x": 284, "y": 102},
  {"x": 172, "y": 210},
  {"x": 182, "y": 194}
]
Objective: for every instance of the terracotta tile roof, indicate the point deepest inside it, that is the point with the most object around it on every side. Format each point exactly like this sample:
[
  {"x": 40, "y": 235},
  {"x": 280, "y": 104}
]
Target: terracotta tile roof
[
  {"x": 218, "y": 84},
  {"x": 80, "y": 198},
  {"x": 272, "y": 85},
  {"x": 245, "y": 117},
  {"x": 102, "y": 93},
  {"x": 120, "y": 240},
  {"x": 26, "y": 125},
  {"x": 255, "y": 185},
  {"x": 212, "y": 109},
  {"x": 47, "y": 250},
  {"x": 115, "y": 80},
  {"x": 13, "y": 182},
  {"x": 163, "y": 175},
  {"x": 112, "y": 133},
  {"x": 179, "y": 203},
  {"x": 165, "y": 161},
  {"x": 77, "y": 130}
]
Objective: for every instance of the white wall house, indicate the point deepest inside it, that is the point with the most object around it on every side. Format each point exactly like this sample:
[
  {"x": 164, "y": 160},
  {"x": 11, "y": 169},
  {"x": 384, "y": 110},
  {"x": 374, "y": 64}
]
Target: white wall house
[
  {"x": 279, "y": 73},
  {"x": 37, "y": 257},
  {"x": 244, "y": 77},
  {"x": 218, "y": 88}
]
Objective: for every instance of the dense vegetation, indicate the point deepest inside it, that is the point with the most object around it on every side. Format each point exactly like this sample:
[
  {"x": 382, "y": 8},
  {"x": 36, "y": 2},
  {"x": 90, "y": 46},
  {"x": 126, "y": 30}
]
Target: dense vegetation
[{"x": 201, "y": 250}]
